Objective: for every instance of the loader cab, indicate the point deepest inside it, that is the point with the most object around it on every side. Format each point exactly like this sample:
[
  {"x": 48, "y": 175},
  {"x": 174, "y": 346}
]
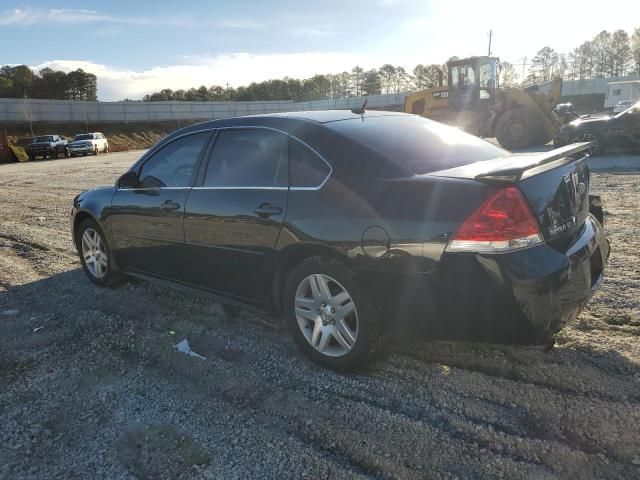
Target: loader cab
[{"x": 472, "y": 83}]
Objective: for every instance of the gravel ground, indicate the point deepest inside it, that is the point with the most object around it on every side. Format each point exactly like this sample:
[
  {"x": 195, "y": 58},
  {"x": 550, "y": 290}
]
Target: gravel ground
[{"x": 91, "y": 386}]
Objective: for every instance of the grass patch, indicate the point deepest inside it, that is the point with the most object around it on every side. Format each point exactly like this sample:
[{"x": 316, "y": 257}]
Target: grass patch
[{"x": 159, "y": 451}]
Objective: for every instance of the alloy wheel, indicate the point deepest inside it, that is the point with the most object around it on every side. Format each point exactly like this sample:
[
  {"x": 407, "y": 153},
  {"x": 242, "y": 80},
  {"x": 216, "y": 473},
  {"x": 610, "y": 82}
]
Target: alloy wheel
[
  {"x": 326, "y": 315},
  {"x": 94, "y": 253},
  {"x": 587, "y": 137}
]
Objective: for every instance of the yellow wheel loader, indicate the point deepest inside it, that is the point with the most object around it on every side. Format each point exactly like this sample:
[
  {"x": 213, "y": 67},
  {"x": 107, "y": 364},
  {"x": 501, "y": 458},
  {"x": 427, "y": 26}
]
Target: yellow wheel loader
[{"x": 474, "y": 101}]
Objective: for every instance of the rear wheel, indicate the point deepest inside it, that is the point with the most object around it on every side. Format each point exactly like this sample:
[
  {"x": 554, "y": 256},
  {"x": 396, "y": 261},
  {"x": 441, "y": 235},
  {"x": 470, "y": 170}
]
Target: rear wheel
[
  {"x": 331, "y": 317},
  {"x": 515, "y": 128},
  {"x": 595, "y": 146},
  {"x": 106, "y": 148},
  {"x": 95, "y": 255}
]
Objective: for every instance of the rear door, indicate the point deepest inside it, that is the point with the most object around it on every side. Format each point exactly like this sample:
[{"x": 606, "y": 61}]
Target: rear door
[
  {"x": 147, "y": 221},
  {"x": 234, "y": 216}
]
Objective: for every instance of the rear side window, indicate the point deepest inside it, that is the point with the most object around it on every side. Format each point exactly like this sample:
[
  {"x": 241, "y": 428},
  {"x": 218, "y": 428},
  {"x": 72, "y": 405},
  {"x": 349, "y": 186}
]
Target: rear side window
[
  {"x": 306, "y": 168},
  {"x": 417, "y": 144},
  {"x": 248, "y": 158},
  {"x": 173, "y": 164}
]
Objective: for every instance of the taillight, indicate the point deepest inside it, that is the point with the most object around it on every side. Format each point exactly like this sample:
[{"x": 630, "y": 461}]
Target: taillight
[{"x": 503, "y": 222}]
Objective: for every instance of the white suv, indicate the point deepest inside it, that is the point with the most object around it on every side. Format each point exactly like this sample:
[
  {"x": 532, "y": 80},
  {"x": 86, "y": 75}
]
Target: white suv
[{"x": 85, "y": 143}]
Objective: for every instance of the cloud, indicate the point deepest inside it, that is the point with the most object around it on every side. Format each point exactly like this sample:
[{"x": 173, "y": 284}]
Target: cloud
[
  {"x": 36, "y": 16},
  {"x": 237, "y": 69}
]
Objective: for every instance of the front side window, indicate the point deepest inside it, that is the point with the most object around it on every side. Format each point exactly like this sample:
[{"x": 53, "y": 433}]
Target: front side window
[
  {"x": 306, "y": 168},
  {"x": 462, "y": 75},
  {"x": 248, "y": 158},
  {"x": 173, "y": 164}
]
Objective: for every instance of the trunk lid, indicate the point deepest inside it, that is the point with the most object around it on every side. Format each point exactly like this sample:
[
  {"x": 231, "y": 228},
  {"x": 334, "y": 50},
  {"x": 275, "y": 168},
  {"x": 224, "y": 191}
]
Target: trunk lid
[{"x": 555, "y": 183}]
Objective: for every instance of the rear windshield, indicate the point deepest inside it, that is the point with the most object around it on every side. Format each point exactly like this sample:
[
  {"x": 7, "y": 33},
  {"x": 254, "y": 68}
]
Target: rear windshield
[
  {"x": 417, "y": 144},
  {"x": 46, "y": 138},
  {"x": 85, "y": 136}
]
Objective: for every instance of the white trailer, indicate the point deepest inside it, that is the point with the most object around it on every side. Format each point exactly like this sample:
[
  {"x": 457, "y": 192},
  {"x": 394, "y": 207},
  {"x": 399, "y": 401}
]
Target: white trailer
[{"x": 617, "y": 91}]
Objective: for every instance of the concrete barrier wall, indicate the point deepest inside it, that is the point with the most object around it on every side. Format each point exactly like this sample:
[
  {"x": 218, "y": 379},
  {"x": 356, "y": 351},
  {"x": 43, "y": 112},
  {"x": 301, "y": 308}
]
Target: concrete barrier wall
[
  {"x": 23, "y": 110},
  {"x": 594, "y": 85}
]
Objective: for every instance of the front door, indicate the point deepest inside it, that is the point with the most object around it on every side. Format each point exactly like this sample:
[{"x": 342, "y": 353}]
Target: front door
[
  {"x": 234, "y": 216},
  {"x": 147, "y": 221}
]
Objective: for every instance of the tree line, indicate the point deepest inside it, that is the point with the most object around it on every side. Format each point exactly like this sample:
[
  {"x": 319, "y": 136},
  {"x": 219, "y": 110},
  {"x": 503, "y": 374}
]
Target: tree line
[
  {"x": 606, "y": 55},
  {"x": 386, "y": 79},
  {"x": 20, "y": 81}
]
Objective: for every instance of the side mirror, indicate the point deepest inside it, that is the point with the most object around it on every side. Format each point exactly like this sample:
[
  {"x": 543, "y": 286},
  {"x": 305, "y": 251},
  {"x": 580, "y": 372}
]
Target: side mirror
[{"x": 128, "y": 180}]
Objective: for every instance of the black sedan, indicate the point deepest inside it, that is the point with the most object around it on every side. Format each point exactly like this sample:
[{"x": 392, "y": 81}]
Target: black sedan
[
  {"x": 354, "y": 225},
  {"x": 606, "y": 133}
]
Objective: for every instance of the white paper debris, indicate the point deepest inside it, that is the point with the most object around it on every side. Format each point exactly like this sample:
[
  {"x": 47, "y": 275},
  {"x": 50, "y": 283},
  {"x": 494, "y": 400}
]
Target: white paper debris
[{"x": 184, "y": 347}]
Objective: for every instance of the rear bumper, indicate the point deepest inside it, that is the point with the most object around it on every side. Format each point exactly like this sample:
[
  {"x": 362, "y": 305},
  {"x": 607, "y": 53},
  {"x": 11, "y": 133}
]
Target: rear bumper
[{"x": 520, "y": 297}]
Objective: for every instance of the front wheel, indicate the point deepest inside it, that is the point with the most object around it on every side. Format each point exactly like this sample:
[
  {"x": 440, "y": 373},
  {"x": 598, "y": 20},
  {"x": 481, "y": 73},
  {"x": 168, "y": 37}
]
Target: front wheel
[
  {"x": 516, "y": 128},
  {"x": 95, "y": 255},
  {"x": 331, "y": 316},
  {"x": 595, "y": 146},
  {"x": 106, "y": 148}
]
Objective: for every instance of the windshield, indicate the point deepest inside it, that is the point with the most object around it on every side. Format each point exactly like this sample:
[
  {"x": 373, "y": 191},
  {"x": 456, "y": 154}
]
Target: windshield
[
  {"x": 418, "y": 144},
  {"x": 84, "y": 136},
  {"x": 45, "y": 138}
]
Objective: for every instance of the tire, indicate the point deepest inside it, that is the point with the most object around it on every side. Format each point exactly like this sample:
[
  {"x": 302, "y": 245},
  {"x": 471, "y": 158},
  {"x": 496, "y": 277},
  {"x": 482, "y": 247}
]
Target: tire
[
  {"x": 596, "y": 139},
  {"x": 32, "y": 158},
  {"x": 516, "y": 128},
  {"x": 365, "y": 336},
  {"x": 96, "y": 151},
  {"x": 67, "y": 153},
  {"x": 72, "y": 155},
  {"x": 104, "y": 271},
  {"x": 106, "y": 148}
]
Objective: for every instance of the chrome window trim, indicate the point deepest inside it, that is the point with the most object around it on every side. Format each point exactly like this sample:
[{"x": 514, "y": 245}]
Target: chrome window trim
[
  {"x": 240, "y": 188},
  {"x": 154, "y": 188}
]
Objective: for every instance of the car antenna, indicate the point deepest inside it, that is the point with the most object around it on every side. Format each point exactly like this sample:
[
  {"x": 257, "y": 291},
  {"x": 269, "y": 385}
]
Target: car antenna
[{"x": 360, "y": 111}]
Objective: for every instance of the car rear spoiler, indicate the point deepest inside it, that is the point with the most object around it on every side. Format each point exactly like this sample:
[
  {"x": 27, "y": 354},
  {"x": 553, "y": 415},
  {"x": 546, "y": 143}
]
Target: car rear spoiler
[{"x": 515, "y": 167}]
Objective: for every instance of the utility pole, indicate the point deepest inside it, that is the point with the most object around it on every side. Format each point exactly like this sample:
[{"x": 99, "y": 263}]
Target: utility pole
[
  {"x": 490, "y": 35},
  {"x": 524, "y": 64}
]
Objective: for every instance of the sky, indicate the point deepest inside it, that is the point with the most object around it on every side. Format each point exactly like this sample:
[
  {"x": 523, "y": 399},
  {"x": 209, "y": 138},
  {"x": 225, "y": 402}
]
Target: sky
[{"x": 137, "y": 47}]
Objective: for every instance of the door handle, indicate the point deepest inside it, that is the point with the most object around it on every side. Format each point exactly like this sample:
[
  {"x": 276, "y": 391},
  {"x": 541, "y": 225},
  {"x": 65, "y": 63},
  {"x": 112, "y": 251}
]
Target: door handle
[
  {"x": 169, "y": 206},
  {"x": 265, "y": 210}
]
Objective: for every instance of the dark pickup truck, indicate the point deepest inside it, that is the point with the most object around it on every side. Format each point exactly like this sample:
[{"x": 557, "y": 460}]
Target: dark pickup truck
[{"x": 47, "y": 146}]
